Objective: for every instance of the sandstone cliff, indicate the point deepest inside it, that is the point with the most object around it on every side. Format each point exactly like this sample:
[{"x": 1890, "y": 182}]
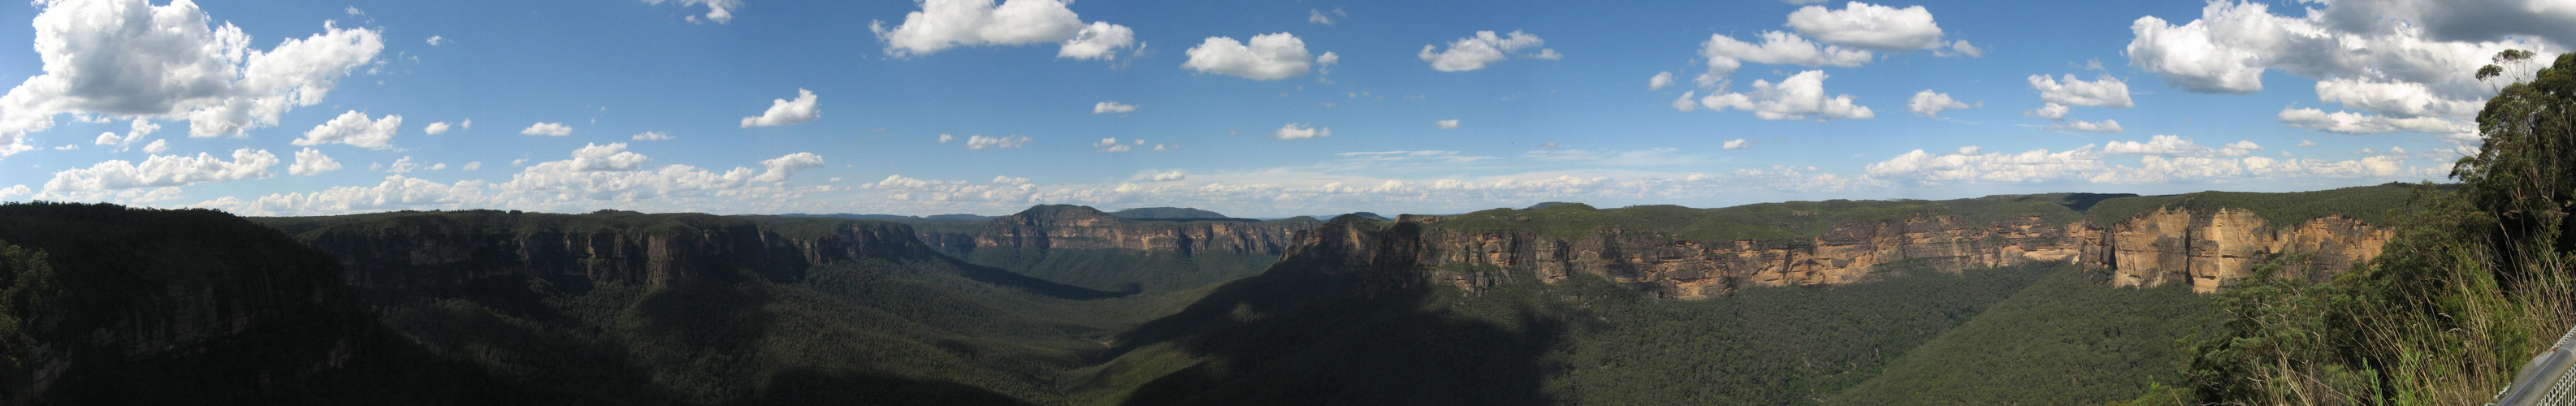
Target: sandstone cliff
[
  {"x": 2163, "y": 246},
  {"x": 440, "y": 252},
  {"x": 1079, "y": 227}
]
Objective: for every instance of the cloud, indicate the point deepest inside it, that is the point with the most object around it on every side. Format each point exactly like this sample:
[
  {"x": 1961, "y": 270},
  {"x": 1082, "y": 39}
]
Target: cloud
[
  {"x": 2158, "y": 145},
  {"x": 473, "y": 165},
  {"x": 1930, "y": 104},
  {"x": 355, "y": 129},
  {"x": 164, "y": 170},
  {"x": 2399, "y": 99},
  {"x": 1445, "y": 124},
  {"x": 1473, "y": 52},
  {"x": 1660, "y": 81},
  {"x": 1315, "y": 16},
  {"x": 2105, "y": 91},
  {"x": 135, "y": 133},
  {"x": 1097, "y": 41},
  {"x": 1739, "y": 143},
  {"x": 435, "y": 128},
  {"x": 2345, "y": 122},
  {"x": 1111, "y": 145},
  {"x": 2052, "y": 111},
  {"x": 781, "y": 168},
  {"x": 2104, "y": 126},
  {"x": 2307, "y": 143},
  {"x": 404, "y": 165},
  {"x": 1687, "y": 102},
  {"x": 719, "y": 11},
  {"x": 983, "y": 142},
  {"x": 1869, "y": 26},
  {"x": 2227, "y": 49},
  {"x": 1162, "y": 176},
  {"x": 2240, "y": 148},
  {"x": 1800, "y": 96},
  {"x": 438, "y": 40},
  {"x": 1112, "y": 107},
  {"x": 943, "y": 24},
  {"x": 1970, "y": 166},
  {"x": 787, "y": 112},
  {"x": 547, "y": 129},
  {"x": 1963, "y": 48},
  {"x": 1724, "y": 54},
  {"x": 1299, "y": 131},
  {"x": 1268, "y": 57},
  {"x": 128, "y": 58},
  {"x": 653, "y": 136},
  {"x": 611, "y": 157},
  {"x": 2164, "y": 158},
  {"x": 944, "y": 138},
  {"x": 2468, "y": 20}
]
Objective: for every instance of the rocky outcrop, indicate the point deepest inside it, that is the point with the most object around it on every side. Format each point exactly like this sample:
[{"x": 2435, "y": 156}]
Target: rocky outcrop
[
  {"x": 433, "y": 252},
  {"x": 2213, "y": 251},
  {"x": 1079, "y": 227},
  {"x": 2165, "y": 246}
]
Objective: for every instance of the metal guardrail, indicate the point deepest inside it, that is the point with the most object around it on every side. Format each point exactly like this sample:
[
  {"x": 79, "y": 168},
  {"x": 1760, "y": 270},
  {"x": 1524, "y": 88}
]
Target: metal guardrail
[{"x": 2544, "y": 381}]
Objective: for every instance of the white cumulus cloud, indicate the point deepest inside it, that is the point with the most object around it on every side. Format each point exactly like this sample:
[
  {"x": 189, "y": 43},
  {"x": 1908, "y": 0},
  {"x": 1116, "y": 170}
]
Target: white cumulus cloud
[
  {"x": 944, "y": 24},
  {"x": 1930, "y": 104},
  {"x": 1474, "y": 52},
  {"x": 128, "y": 58},
  {"x": 1799, "y": 97},
  {"x": 1724, "y": 54},
  {"x": 1266, "y": 57},
  {"x": 435, "y": 128},
  {"x": 1869, "y": 26},
  {"x": 164, "y": 170},
  {"x": 2105, "y": 91},
  {"x": 547, "y": 129},
  {"x": 355, "y": 129},
  {"x": 787, "y": 112},
  {"x": 1298, "y": 131},
  {"x": 1445, "y": 124}
]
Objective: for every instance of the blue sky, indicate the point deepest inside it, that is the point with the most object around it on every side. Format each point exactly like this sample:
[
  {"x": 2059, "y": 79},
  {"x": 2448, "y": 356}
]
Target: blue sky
[{"x": 2260, "y": 96}]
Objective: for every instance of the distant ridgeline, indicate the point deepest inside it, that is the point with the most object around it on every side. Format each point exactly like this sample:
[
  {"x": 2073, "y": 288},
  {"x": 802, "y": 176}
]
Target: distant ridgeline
[
  {"x": 1155, "y": 249},
  {"x": 2208, "y": 240}
]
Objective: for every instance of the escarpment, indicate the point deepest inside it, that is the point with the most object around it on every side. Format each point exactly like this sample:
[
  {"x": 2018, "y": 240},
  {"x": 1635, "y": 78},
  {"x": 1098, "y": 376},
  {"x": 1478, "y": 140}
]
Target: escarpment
[
  {"x": 2163, "y": 246},
  {"x": 1079, "y": 227},
  {"x": 439, "y": 252}
]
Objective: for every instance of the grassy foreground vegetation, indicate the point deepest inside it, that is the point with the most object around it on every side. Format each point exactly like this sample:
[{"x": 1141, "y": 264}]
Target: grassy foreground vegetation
[{"x": 2476, "y": 282}]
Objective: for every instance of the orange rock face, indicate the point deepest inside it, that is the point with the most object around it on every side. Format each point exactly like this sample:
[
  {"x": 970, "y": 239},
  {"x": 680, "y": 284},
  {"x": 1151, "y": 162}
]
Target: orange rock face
[{"x": 2166, "y": 246}]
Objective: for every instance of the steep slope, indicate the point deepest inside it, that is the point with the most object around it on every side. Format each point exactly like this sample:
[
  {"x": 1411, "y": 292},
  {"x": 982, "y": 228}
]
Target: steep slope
[
  {"x": 692, "y": 308},
  {"x": 1081, "y": 246},
  {"x": 2071, "y": 338},
  {"x": 1792, "y": 303},
  {"x": 136, "y": 306},
  {"x": 1347, "y": 319}
]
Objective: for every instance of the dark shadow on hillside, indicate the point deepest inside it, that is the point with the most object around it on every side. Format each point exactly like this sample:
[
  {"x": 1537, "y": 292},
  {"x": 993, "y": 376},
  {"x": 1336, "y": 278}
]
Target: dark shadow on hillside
[
  {"x": 2080, "y": 202},
  {"x": 804, "y": 386},
  {"x": 1299, "y": 335},
  {"x": 1033, "y": 285}
]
